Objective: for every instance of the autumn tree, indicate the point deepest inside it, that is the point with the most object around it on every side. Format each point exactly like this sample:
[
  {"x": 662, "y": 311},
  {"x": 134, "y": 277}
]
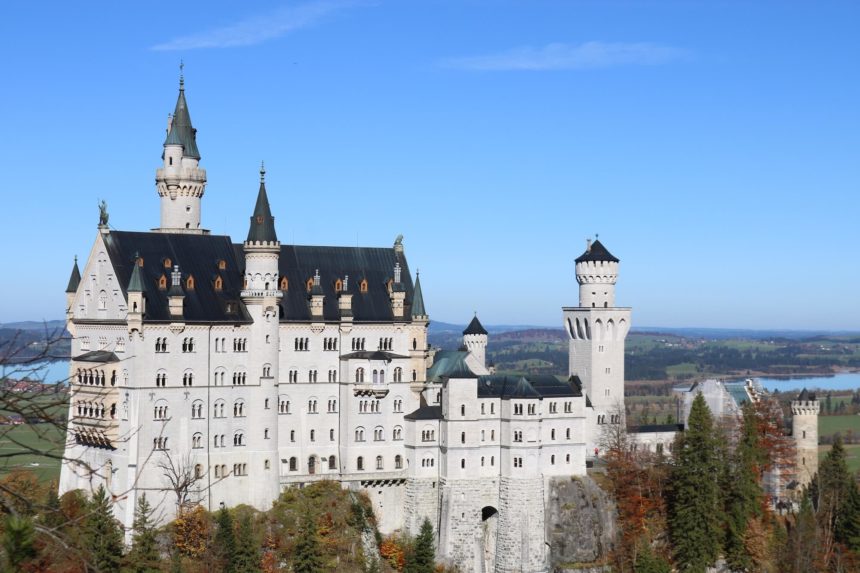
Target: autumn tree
[
  {"x": 191, "y": 532},
  {"x": 695, "y": 513}
]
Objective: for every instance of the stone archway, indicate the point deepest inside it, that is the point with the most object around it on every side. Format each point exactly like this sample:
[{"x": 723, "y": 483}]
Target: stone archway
[{"x": 489, "y": 530}]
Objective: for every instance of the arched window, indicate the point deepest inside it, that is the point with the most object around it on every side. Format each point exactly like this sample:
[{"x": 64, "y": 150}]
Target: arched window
[
  {"x": 294, "y": 464},
  {"x": 397, "y": 433},
  {"x": 378, "y": 434},
  {"x": 197, "y": 409},
  {"x": 238, "y": 439},
  {"x": 379, "y": 465},
  {"x": 218, "y": 409},
  {"x": 239, "y": 408},
  {"x": 103, "y": 300},
  {"x": 162, "y": 282},
  {"x": 332, "y": 464},
  {"x": 362, "y": 286},
  {"x": 359, "y": 434},
  {"x": 359, "y": 376},
  {"x": 283, "y": 405},
  {"x": 219, "y": 283},
  {"x": 189, "y": 282},
  {"x": 398, "y": 462},
  {"x": 359, "y": 463},
  {"x": 285, "y": 284}
]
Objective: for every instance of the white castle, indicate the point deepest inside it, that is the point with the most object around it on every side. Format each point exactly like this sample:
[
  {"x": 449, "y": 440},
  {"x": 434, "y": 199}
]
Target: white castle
[{"x": 209, "y": 372}]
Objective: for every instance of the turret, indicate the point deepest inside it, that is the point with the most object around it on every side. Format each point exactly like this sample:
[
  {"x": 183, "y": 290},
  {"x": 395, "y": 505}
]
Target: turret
[
  {"x": 72, "y": 289},
  {"x": 180, "y": 182},
  {"x": 136, "y": 297},
  {"x": 804, "y": 425},
  {"x": 596, "y": 273},
  {"x": 475, "y": 340},
  {"x": 419, "y": 314}
]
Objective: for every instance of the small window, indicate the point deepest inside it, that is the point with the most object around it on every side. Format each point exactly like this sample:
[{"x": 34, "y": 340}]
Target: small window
[
  {"x": 189, "y": 282},
  {"x": 310, "y": 284},
  {"x": 162, "y": 282},
  {"x": 222, "y": 264},
  {"x": 219, "y": 283},
  {"x": 168, "y": 263},
  {"x": 362, "y": 287},
  {"x": 338, "y": 285},
  {"x": 284, "y": 283}
]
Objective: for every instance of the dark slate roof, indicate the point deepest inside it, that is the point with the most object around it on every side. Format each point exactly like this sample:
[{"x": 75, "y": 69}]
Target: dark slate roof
[
  {"x": 196, "y": 255},
  {"x": 531, "y": 386},
  {"x": 425, "y": 413},
  {"x": 298, "y": 263},
  {"x": 597, "y": 252},
  {"x": 74, "y": 279},
  {"x": 806, "y": 396},
  {"x": 372, "y": 355},
  {"x": 449, "y": 364},
  {"x": 418, "y": 299},
  {"x": 475, "y": 327},
  {"x": 262, "y": 227},
  {"x": 655, "y": 428},
  {"x": 135, "y": 283},
  {"x": 97, "y": 356},
  {"x": 181, "y": 131}
]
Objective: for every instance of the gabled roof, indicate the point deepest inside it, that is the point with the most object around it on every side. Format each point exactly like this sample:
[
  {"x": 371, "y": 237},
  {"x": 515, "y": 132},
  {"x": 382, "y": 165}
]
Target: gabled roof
[
  {"x": 372, "y": 355},
  {"x": 596, "y": 253},
  {"x": 418, "y": 299},
  {"x": 74, "y": 279},
  {"x": 181, "y": 131},
  {"x": 449, "y": 364},
  {"x": 425, "y": 412},
  {"x": 806, "y": 396},
  {"x": 475, "y": 327},
  {"x": 97, "y": 356},
  {"x": 531, "y": 386},
  {"x": 262, "y": 222}
]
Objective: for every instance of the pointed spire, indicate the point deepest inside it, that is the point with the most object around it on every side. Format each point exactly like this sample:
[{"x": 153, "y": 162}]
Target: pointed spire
[
  {"x": 75, "y": 278},
  {"x": 181, "y": 131},
  {"x": 475, "y": 327},
  {"x": 262, "y": 223},
  {"x": 135, "y": 283},
  {"x": 418, "y": 299}
]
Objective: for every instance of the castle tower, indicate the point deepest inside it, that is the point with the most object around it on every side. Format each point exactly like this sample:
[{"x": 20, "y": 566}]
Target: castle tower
[
  {"x": 72, "y": 289},
  {"x": 180, "y": 182},
  {"x": 475, "y": 340},
  {"x": 597, "y": 330},
  {"x": 261, "y": 294},
  {"x": 804, "y": 428}
]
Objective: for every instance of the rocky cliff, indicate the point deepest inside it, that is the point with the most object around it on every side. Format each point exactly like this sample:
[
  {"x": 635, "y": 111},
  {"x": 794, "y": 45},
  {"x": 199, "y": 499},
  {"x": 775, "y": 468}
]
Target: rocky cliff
[{"x": 580, "y": 523}]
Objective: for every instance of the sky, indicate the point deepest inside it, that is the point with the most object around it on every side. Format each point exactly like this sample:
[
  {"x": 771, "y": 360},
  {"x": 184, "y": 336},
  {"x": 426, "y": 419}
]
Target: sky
[{"x": 712, "y": 145}]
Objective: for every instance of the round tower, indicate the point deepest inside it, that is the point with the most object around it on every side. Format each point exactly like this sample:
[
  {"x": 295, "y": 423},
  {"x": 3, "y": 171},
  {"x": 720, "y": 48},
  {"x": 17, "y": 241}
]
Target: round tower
[
  {"x": 804, "y": 429},
  {"x": 180, "y": 181},
  {"x": 596, "y": 273},
  {"x": 260, "y": 295},
  {"x": 475, "y": 340}
]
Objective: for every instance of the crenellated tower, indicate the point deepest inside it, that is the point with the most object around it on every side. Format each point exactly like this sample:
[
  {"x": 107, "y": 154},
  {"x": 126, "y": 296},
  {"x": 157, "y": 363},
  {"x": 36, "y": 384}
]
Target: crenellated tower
[
  {"x": 475, "y": 340},
  {"x": 180, "y": 181},
  {"x": 597, "y": 330},
  {"x": 260, "y": 295},
  {"x": 804, "y": 429}
]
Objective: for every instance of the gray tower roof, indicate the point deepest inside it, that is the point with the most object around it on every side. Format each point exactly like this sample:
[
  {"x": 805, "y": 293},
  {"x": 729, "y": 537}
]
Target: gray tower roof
[
  {"x": 74, "y": 279},
  {"x": 475, "y": 327},
  {"x": 262, "y": 222},
  {"x": 135, "y": 283},
  {"x": 418, "y": 299},
  {"x": 597, "y": 252},
  {"x": 181, "y": 131}
]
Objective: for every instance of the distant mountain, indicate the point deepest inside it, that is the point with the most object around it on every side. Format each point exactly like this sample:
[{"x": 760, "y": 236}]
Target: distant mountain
[{"x": 50, "y": 325}]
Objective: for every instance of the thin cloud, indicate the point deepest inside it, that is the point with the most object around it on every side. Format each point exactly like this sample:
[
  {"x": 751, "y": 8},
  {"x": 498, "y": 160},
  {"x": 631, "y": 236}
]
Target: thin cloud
[
  {"x": 257, "y": 29},
  {"x": 585, "y": 56}
]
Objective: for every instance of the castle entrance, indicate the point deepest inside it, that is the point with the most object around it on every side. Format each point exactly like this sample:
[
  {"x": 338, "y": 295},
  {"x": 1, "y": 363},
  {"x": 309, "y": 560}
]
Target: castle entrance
[{"x": 489, "y": 529}]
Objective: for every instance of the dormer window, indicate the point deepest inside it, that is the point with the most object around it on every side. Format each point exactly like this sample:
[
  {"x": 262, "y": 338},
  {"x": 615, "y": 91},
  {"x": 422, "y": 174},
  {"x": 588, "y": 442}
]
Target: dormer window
[
  {"x": 140, "y": 262},
  {"x": 189, "y": 282},
  {"x": 390, "y": 285},
  {"x": 168, "y": 263},
  {"x": 222, "y": 264},
  {"x": 310, "y": 284},
  {"x": 219, "y": 283},
  {"x": 162, "y": 282},
  {"x": 362, "y": 287},
  {"x": 338, "y": 285},
  {"x": 285, "y": 284}
]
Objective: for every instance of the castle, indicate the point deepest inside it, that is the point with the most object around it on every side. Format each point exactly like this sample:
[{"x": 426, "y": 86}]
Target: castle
[{"x": 209, "y": 372}]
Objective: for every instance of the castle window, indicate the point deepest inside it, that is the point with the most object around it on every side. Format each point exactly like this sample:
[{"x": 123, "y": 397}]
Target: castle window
[
  {"x": 359, "y": 463},
  {"x": 197, "y": 441},
  {"x": 398, "y": 374},
  {"x": 294, "y": 465},
  {"x": 552, "y": 434},
  {"x": 218, "y": 409},
  {"x": 198, "y": 471},
  {"x": 266, "y": 404},
  {"x": 312, "y": 406},
  {"x": 292, "y": 435},
  {"x": 362, "y": 286},
  {"x": 462, "y": 463},
  {"x": 266, "y": 464},
  {"x": 483, "y": 435},
  {"x": 398, "y": 462},
  {"x": 482, "y": 408},
  {"x": 397, "y": 434},
  {"x": 462, "y": 437},
  {"x": 313, "y": 435},
  {"x": 492, "y": 408},
  {"x": 518, "y": 462},
  {"x": 567, "y": 434},
  {"x": 162, "y": 282},
  {"x": 414, "y": 375},
  {"x": 102, "y": 300},
  {"x": 378, "y": 462},
  {"x": 189, "y": 282},
  {"x": 217, "y": 471},
  {"x": 359, "y": 434},
  {"x": 197, "y": 410},
  {"x": 283, "y": 405},
  {"x": 378, "y": 434},
  {"x": 567, "y": 459},
  {"x": 804, "y": 433},
  {"x": 518, "y": 409},
  {"x": 266, "y": 434},
  {"x": 518, "y": 435},
  {"x": 338, "y": 285},
  {"x": 219, "y": 283},
  {"x": 168, "y": 263},
  {"x": 492, "y": 460},
  {"x": 482, "y": 461},
  {"x": 238, "y": 439},
  {"x": 331, "y": 435},
  {"x": 188, "y": 379},
  {"x": 161, "y": 379},
  {"x": 532, "y": 409},
  {"x": 359, "y": 376},
  {"x": 160, "y": 411},
  {"x": 552, "y": 460},
  {"x": 463, "y": 410},
  {"x": 332, "y": 463},
  {"x": 398, "y": 405},
  {"x": 660, "y": 448},
  {"x": 238, "y": 409},
  {"x": 284, "y": 283}
]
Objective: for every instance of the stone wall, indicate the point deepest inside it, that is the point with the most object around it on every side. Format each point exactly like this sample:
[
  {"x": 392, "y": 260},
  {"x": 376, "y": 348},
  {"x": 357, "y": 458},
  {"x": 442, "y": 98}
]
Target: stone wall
[
  {"x": 421, "y": 499},
  {"x": 520, "y": 543},
  {"x": 580, "y": 522}
]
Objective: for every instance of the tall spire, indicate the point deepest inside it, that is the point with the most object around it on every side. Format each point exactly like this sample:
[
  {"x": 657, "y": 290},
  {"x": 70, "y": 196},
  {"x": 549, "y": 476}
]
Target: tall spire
[
  {"x": 262, "y": 223},
  {"x": 74, "y": 279},
  {"x": 135, "y": 283},
  {"x": 418, "y": 299},
  {"x": 181, "y": 131}
]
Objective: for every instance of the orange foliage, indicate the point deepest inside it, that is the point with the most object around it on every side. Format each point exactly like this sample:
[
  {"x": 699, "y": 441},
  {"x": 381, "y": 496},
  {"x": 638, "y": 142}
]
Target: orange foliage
[
  {"x": 191, "y": 532},
  {"x": 392, "y": 551}
]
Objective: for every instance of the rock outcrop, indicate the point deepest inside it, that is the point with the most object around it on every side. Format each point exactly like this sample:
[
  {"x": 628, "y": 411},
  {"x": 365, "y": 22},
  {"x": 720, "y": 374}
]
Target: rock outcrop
[{"x": 580, "y": 523}]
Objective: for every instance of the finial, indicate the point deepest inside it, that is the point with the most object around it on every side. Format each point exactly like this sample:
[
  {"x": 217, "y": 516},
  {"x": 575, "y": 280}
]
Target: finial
[
  {"x": 417, "y": 272},
  {"x": 262, "y": 172},
  {"x": 76, "y": 259},
  {"x": 317, "y": 277},
  {"x": 181, "y": 75},
  {"x": 176, "y": 275},
  {"x": 397, "y": 272},
  {"x": 596, "y": 236}
]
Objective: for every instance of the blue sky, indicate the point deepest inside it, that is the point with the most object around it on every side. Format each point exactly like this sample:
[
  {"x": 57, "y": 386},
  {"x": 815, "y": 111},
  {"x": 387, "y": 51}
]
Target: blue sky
[{"x": 712, "y": 145}]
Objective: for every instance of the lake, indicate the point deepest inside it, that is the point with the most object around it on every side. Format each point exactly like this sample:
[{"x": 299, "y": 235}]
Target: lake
[
  {"x": 49, "y": 372},
  {"x": 841, "y": 381}
]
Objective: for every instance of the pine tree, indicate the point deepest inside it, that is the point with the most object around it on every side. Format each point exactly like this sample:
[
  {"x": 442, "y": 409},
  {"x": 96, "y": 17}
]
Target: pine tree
[
  {"x": 421, "y": 558},
  {"x": 648, "y": 562},
  {"x": 307, "y": 556},
  {"x": 694, "y": 510},
  {"x": 744, "y": 499},
  {"x": 18, "y": 537},
  {"x": 247, "y": 551},
  {"x": 103, "y": 533},
  {"x": 144, "y": 556},
  {"x": 803, "y": 551},
  {"x": 225, "y": 541},
  {"x": 834, "y": 491}
]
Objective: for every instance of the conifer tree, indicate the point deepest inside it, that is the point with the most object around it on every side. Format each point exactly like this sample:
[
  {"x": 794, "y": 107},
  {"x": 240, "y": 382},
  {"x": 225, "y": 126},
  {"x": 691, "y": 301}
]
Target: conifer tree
[
  {"x": 694, "y": 510},
  {"x": 421, "y": 558},
  {"x": 225, "y": 541},
  {"x": 103, "y": 533},
  {"x": 144, "y": 556},
  {"x": 18, "y": 537},
  {"x": 307, "y": 556},
  {"x": 834, "y": 487},
  {"x": 247, "y": 558},
  {"x": 744, "y": 499},
  {"x": 649, "y": 562},
  {"x": 802, "y": 555}
]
